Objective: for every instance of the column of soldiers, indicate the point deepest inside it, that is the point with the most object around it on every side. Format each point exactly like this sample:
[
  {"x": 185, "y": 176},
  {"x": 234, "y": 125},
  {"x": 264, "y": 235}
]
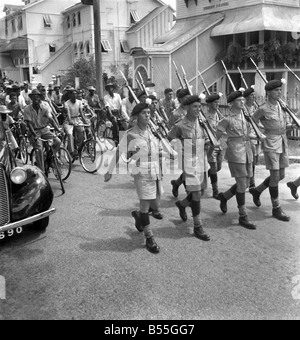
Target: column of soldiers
[{"x": 195, "y": 151}]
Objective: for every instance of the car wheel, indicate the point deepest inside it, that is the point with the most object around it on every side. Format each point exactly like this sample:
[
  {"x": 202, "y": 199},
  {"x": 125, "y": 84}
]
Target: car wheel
[{"x": 41, "y": 224}]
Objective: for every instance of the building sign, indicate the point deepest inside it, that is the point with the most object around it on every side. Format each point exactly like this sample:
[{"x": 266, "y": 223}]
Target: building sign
[{"x": 215, "y": 4}]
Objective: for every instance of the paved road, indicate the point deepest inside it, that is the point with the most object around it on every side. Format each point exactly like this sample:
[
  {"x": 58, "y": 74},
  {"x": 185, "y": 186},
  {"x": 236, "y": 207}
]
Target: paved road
[{"x": 91, "y": 263}]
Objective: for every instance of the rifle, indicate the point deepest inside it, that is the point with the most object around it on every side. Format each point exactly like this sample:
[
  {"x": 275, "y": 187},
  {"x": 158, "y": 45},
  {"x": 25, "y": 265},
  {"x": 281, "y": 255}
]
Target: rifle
[
  {"x": 142, "y": 84},
  {"x": 293, "y": 73},
  {"x": 283, "y": 105},
  {"x": 220, "y": 115},
  {"x": 154, "y": 128},
  {"x": 178, "y": 75},
  {"x": 246, "y": 85},
  {"x": 247, "y": 116},
  {"x": 202, "y": 119}
]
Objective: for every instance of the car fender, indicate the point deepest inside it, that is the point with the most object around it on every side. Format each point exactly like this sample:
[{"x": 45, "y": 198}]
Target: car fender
[{"x": 32, "y": 197}]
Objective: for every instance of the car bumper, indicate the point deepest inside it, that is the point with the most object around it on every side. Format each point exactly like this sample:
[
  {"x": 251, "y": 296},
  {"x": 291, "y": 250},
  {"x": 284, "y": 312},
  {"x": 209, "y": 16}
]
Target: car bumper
[{"x": 28, "y": 220}]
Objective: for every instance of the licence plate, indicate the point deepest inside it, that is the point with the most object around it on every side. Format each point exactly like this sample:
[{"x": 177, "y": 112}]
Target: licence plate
[{"x": 11, "y": 233}]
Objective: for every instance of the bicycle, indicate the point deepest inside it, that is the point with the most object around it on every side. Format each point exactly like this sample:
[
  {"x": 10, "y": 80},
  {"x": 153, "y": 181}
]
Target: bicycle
[
  {"x": 90, "y": 155},
  {"x": 22, "y": 141},
  {"x": 60, "y": 162}
]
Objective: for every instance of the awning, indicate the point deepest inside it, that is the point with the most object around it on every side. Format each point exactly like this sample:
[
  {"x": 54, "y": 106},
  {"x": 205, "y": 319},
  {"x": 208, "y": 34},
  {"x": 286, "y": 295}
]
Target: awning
[
  {"x": 6, "y": 62},
  {"x": 14, "y": 45},
  {"x": 259, "y": 18},
  {"x": 187, "y": 27}
]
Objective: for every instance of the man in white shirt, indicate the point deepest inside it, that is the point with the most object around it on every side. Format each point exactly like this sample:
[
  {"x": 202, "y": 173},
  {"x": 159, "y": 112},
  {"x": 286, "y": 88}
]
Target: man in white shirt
[{"x": 113, "y": 104}]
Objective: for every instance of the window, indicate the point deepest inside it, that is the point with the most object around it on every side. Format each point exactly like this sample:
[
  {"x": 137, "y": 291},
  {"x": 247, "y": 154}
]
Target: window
[
  {"x": 13, "y": 25},
  {"x": 75, "y": 50},
  {"x": 47, "y": 21},
  {"x": 16, "y": 62},
  {"x": 81, "y": 49},
  {"x": 87, "y": 47},
  {"x": 52, "y": 48},
  {"x": 124, "y": 46},
  {"x": 68, "y": 21},
  {"x": 79, "y": 18},
  {"x": 134, "y": 17},
  {"x": 106, "y": 47},
  {"x": 20, "y": 23},
  {"x": 21, "y": 61},
  {"x": 74, "y": 20}
]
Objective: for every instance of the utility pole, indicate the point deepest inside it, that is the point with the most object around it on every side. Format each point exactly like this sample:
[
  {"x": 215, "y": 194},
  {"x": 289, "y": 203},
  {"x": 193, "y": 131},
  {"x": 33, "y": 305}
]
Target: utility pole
[{"x": 98, "y": 48}]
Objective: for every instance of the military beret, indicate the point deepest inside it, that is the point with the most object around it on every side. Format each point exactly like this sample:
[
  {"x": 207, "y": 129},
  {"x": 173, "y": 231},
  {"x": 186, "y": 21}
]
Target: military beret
[
  {"x": 249, "y": 91},
  {"x": 191, "y": 100},
  {"x": 152, "y": 97},
  {"x": 182, "y": 93},
  {"x": 273, "y": 84},
  {"x": 234, "y": 95},
  {"x": 141, "y": 93},
  {"x": 212, "y": 98},
  {"x": 139, "y": 108},
  {"x": 168, "y": 91}
]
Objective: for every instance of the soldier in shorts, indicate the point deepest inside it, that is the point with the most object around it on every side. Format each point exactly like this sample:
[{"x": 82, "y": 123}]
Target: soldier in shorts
[
  {"x": 239, "y": 156},
  {"x": 275, "y": 147}
]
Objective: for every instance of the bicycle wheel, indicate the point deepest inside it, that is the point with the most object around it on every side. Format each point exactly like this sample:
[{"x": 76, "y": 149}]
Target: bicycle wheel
[
  {"x": 91, "y": 156},
  {"x": 64, "y": 163},
  {"x": 23, "y": 151},
  {"x": 57, "y": 173}
]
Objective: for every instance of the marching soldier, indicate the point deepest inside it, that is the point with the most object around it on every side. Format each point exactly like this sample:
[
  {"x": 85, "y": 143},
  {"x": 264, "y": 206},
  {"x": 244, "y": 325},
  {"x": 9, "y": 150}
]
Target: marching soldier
[
  {"x": 192, "y": 137},
  {"x": 239, "y": 156},
  {"x": 275, "y": 147},
  {"x": 145, "y": 149},
  {"x": 249, "y": 95},
  {"x": 215, "y": 156}
]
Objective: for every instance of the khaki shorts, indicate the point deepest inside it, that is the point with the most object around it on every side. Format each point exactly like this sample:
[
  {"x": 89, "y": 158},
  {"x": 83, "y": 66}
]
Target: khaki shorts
[
  {"x": 238, "y": 170},
  {"x": 276, "y": 161},
  {"x": 146, "y": 189}
]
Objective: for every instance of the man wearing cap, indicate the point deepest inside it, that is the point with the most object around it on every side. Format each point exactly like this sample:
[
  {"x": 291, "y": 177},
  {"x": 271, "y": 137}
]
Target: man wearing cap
[
  {"x": 175, "y": 118},
  {"x": 38, "y": 116},
  {"x": 192, "y": 140},
  {"x": 275, "y": 147},
  {"x": 113, "y": 104},
  {"x": 250, "y": 107},
  {"x": 167, "y": 105},
  {"x": 93, "y": 99},
  {"x": 214, "y": 155},
  {"x": 145, "y": 149},
  {"x": 239, "y": 156}
]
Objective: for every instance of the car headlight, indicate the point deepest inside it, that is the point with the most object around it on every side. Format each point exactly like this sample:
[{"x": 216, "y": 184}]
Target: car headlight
[{"x": 18, "y": 176}]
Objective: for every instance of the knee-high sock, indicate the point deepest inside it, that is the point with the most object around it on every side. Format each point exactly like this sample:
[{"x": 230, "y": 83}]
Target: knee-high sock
[
  {"x": 241, "y": 201},
  {"x": 274, "y": 192},
  {"x": 231, "y": 192},
  {"x": 146, "y": 225},
  {"x": 264, "y": 186},
  {"x": 196, "y": 210}
]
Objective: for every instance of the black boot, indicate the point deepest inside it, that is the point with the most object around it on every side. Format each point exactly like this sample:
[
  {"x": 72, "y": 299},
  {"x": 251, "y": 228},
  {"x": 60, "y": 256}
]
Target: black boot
[
  {"x": 293, "y": 188},
  {"x": 280, "y": 215},
  {"x": 200, "y": 234},
  {"x": 244, "y": 222},
  {"x": 182, "y": 211},
  {"x": 175, "y": 188},
  {"x": 138, "y": 222},
  {"x": 256, "y": 196},
  {"x": 152, "y": 246},
  {"x": 223, "y": 203}
]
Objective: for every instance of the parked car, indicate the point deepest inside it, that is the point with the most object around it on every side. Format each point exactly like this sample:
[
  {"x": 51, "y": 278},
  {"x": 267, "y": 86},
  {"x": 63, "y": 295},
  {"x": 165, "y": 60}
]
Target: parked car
[{"x": 25, "y": 195}]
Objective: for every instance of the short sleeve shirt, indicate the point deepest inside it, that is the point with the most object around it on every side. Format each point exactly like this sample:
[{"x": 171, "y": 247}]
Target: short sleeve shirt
[
  {"x": 39, "y": 119},
  {"x": 274, "y": 121},
  {"x": 239, "y": 146},
  {"x": 74, "y": 108}
]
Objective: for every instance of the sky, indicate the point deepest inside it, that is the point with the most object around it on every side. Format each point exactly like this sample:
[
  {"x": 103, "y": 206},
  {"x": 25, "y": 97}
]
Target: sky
[{"x": 19, "y": 2}]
